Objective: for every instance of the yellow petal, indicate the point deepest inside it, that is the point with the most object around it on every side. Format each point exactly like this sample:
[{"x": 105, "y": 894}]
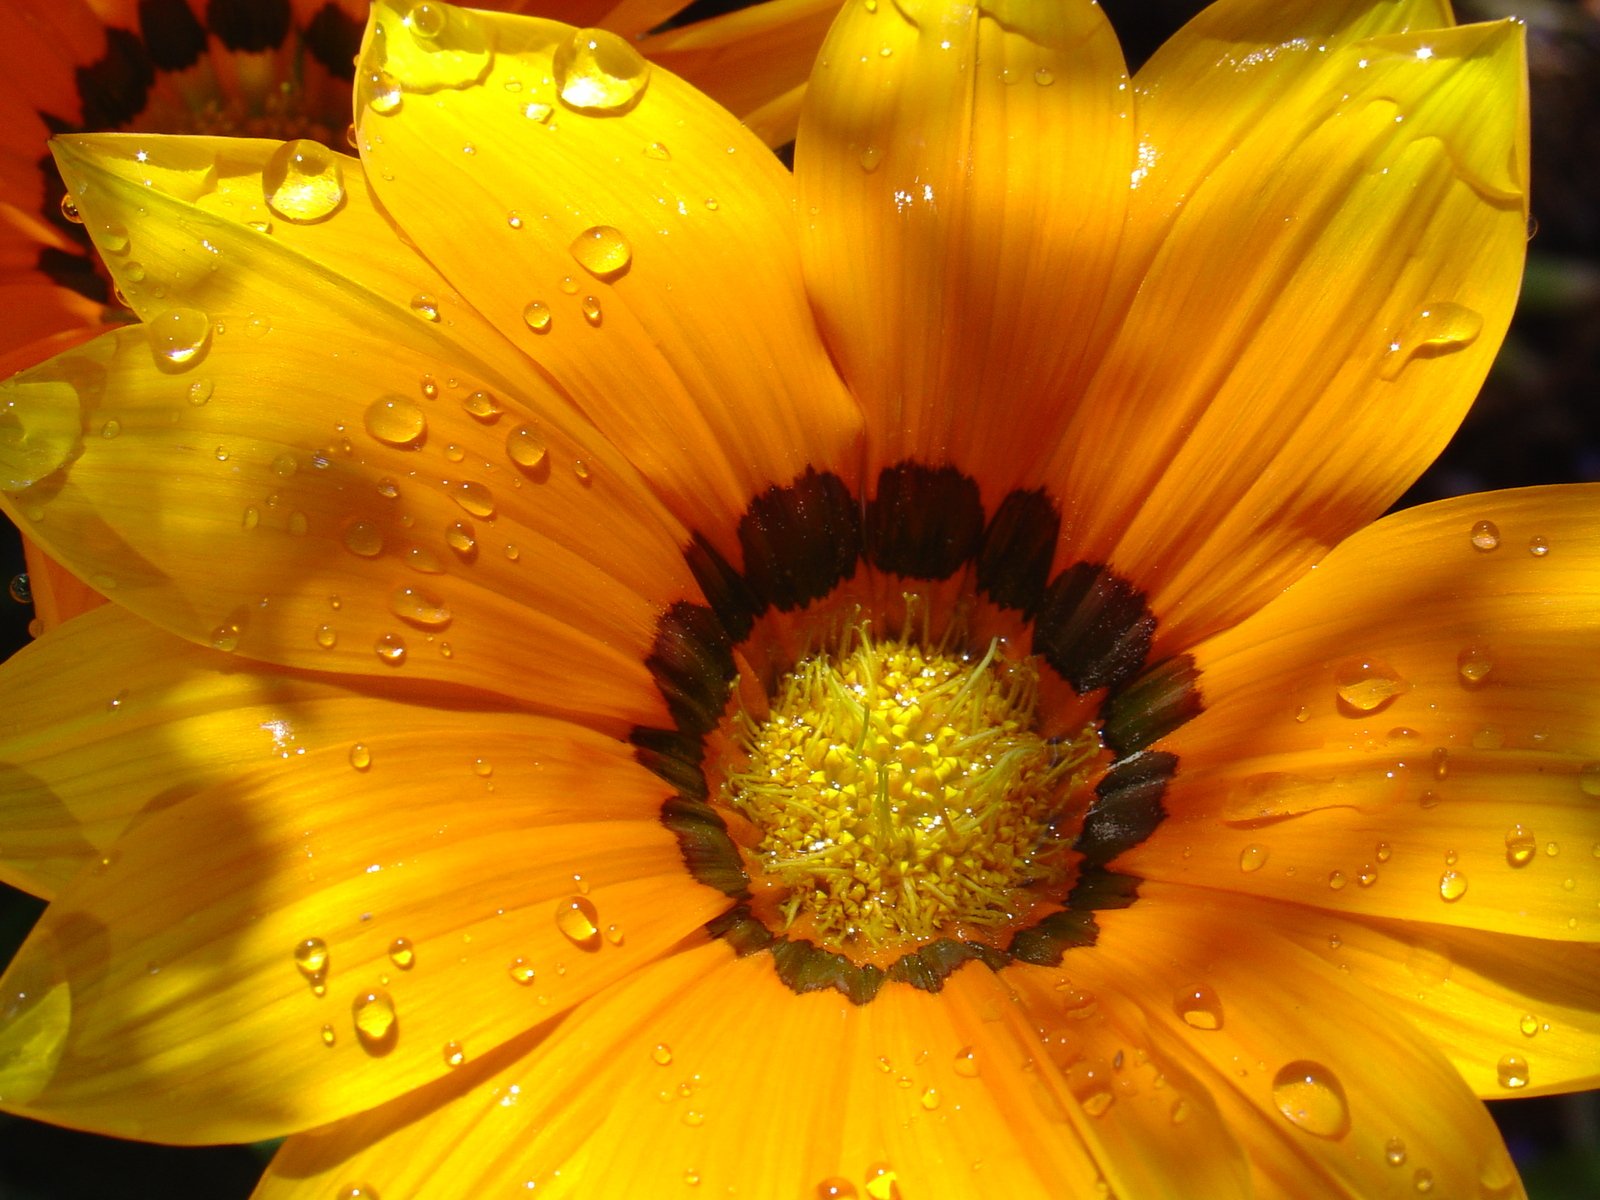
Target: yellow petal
[
  {"x": 58, "y": 595},
  {"x": 1311, "y": 328},
  {"x": 962, "y": 174},
  {"x": 1410, "y": 731},
  {"x": 342, "y": 482},
  {"x": 185, "y": 1015},
  {"x": 630, "y": 238},
  {"x": 1303, "y": 1071},
  {"x": 753, "y": 61}
]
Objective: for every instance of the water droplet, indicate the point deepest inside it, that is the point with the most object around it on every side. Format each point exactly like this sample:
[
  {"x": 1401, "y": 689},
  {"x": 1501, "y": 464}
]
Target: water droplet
[
  {"x": 402, "y": 953},
  {"x": 326, "y": 637},
  {"x": 1538, "y": 547},
  {"x": 425, "y": 306},
  {"x": 69, "y": 210},
  {"x": 870, "y": 157},
  {"x": 602, "y": 251},
  {"x": 1422, "y": 1180},
  {"x": 311, "y": 957},
  {"x": 363, "y": 538},
  {"x": 427, "y": 20},
  {"x": 360, "y": 756},
  {"x": 474, "y": 497},
  {"x": 661, "y": 1055},
  {"x": 537, "y": 316},
  {"x": 591, "y": 310},
  {"x": 1090, "y": 1082},
  {"x": 1520, "y": 846},
  {"x": 374, "y": 1016},
  {"x": 694, "y": 1118},
  {"x": 1452, "y": 886},
  {"x": 514, "y": 219},
  {"x": 1199, "y": 1007},
  {"x": 358, "y": 1191},
  {"x": 930, "y": 1099},
  {"x": 1485, "y": 536},
  {"x": 112, "y": 238},
  {"x": 1512, "y": 1071},
  {"x": 1394, "y": 1152},
  {"x": 1366, "y": 877},
  {"x": 579, "y": 922},
  {"x": 1367, "y": 685},
  {"x": 836, "y": 1188},
  {"x": 581, "y": 470},
  {"x": 1312, "y": 1097},
  {"x": 1438, "y": 328},
  {"x": 883, "y": 1183},
  {"x": 535, "y": 111},
  {"x": 657, "y": 150},
  {"x": 454, "y": 1054},
  {"x": 200, "y": 391},
  {"x": 1384, "y": 852},
  {"x": 380, "y": 91},
  {"x": 1474, "y": 664},
  {"x": 1043, "y": 77},
  {"x": 1529, "y": 1025},
  {"x": 1252, "y": 858},
  {"x": 525, "y": 448},
  {"x": 419, "y": 608},
  {"x": 482, "y": 406},
  {"x": 225, "y": 637},
  {"x": 395, "y": 421},
  {"x": 285, "y": 465},
  {"x": 179, "y": 336},
  {"x": 424, "y": 561},
  {"x": 391, "y": 649},
  {"x": 1336, "y": 880},
  {"x": 460, "y": 538},
  {"x": 597, "y": 71},
  {"x": 967, "y": 1063},
  {"x": 1589, "y": 778},
  {"x": 614, "y": 934},
  {"x": 111, "y": 428},
  {"x": 521, "y": 971},
  {"x": 327, "y": 1035},
  {"x": 303, "y": 181}
]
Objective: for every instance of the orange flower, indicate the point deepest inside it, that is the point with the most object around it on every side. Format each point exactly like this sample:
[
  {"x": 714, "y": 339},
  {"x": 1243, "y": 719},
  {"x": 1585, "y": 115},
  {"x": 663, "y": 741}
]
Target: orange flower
[{"x": 568, "y": 722}]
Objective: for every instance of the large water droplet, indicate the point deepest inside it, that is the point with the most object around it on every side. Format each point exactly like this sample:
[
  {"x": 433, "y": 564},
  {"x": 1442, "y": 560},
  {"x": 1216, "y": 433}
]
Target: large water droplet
[
  {"x": 1366, "y": 686},
  {"x": 1512, "y": 1071},
  {"x": 1435, "y": 329},
  {"x": 303, "y": 181},
  {"x": 377, "y": 1028},
  {"x": 579, "y": 922},
  {"x": 427, "y": 20},
  {"x": 461, "y": 538},
  {"x": 1199, "y": 1007},
  {"x": 179, "y": 337},
  {"x": 396, "y": 421},
  {"x": 597, "y": 71},
  {"x": 1312, "y": 1097},
  {"x": 420, "y": 608},
  {"x": 1485, "y": 536},
  {"x": 537, "y": 316},
  {"x": 602, "y": 251}
]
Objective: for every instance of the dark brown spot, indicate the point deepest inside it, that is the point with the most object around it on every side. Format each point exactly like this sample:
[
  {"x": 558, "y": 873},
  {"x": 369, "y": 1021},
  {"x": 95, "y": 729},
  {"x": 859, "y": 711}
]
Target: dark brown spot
[
  {"x": 924, "y": 522},
  {"x": 1018, "y": 546},
  {"x": 333, "y": 37},
  {"x": 1152, "y": 706},
  {"x": 1093, "y": 627},
  {"x": 173, "y": 36},
  {"x": 251, "y": 25},
  {"x": 800, "y": 541},
  {"x": 1127, "y": 806}
]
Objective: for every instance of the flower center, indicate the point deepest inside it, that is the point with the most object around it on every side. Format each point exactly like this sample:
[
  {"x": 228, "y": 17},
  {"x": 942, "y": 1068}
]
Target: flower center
[{"x": 900, "y": 793}]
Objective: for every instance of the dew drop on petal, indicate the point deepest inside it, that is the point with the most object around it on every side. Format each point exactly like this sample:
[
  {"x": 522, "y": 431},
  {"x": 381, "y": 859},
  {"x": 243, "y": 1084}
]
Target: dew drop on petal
[
  {"x": 1589, "y": 778},
  {"x": 579, "y": 922},
  {"x": 303, "y": 181},
  {"x": 1422, "y": 1180},
  {"x": 591, "y": 310},
  {"x": 358, "y": 1191},
  {"x": 1199, "y": 1007},
  {"x": 482, "y": 406},
  {"x": 311, "y": 957},
  {"x": 1473, "y": 664},
  {"x": 425, "y": 306},
  {"x": 402, "y": 953},
  {"x": 390, "y": 648},
  {"x": 1366, "y": 685},
  {"x": 1485, "y": 536},
  {"x": 1529, "y": 1025},
  {"x": 380, "y": 92},
  {"x": 1452, "y": 886},
  {"x": 597, "y": 71},
  {"x": 1394, "y": 1152},
  {"x": 1311, "y": 1096},
  {"x": 1252, "y": 858},
  {"x": 967, "y": 1063},
  {"x": 525, "y": 448},
  {"x": 521, "y": 971},
  {"x": 661, "y": 1054},
  {"x": 1538, "y": 547},
  {"x": 363, "y": 538},
  {"x": 454, "y": 1054},
  {"x": 537, "y": 316},
  {"x": 1179, "y": 1111},
  {"x": 1521, "y": 846},
  {"x": 328, "y": 1035},
  {"x": 424, "y": 561},
  {"x": 474, "y": 497},
  {"x": 69, "y": 209},
  {"x": 883, "y": 1183},
  {"x": 460, "y": 538},
  {"x": 225, "y": 637},
  {"x": 360, "y": 756},
  {"x": 1437, "y": 328},
  {"x": 426, "y": 20},
  {"x": 1512, "y": 1072},
  {"x": 178, "y": 336},
  {"x": 930, "y": 1099},
  {"x": 375, "y": 1022},
  {"x": 326, "y": 637},
  {"x": 602, "y": 251},
  {"x": 658, "y": 151},
  {"x": 836, "y": 1188},
  {"x": 395, "y": 421}
]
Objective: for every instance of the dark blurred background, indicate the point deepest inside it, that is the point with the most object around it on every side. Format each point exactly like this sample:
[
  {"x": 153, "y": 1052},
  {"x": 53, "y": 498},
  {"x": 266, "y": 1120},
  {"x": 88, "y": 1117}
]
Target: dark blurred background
[{"x": 1538, "y": 421}]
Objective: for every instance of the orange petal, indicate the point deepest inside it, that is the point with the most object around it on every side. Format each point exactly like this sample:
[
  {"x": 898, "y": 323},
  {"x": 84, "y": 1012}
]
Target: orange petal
[
  {"x": 58, "y": 594},
  {"x": 1410, "y": 731},
  {"x": 340, "y": 477},
  {"x": 652, "y": 233},
  {"x": 962, "y": 175},
  {"x": 1308, "y": 333},
  {"x": 1301, "y": 1062},
  {"x": 163, "y": 999},
  {"x": 753, "y": 61}
]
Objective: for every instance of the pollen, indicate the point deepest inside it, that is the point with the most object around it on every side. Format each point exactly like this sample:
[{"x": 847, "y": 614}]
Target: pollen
[{"x": 903, "y": 794}]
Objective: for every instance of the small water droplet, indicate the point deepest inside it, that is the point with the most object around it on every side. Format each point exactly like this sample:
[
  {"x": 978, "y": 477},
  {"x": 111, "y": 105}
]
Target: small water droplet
[
  {"x": 424, "y": 561},
  {"x": 602, "y": 251},
  {"x": 402, "y": 953},
  {"x": 657, "y": 150},
  {"x": 581, "y": 470},
  {"x": 870, "y": 157},
  {"x": 1199, "y": 1007},
  {"x": 1384, "y": 852},
  {"x": 225, "y": 637},
  {"x": 591, "y": 310},
  {"x": 1521, "y": 846},
  {"x": 311, "y": 957},
  {"x": 1422, "y": 1180},
  {"x": 1044, "y": 77},
  {"x": 1452, "y": 886},
  {"x": 967, "y": 1063},
  {"x": 1366, "y": 877},
  {"x": 360, "y": 756},
  {"x": 1538, "y": 547},
  {"x": 694, "y": 1118},
  {"x": 579, "y": 922},
  {"x": 1090, "y": 1082},
  {"x": 525, "y": 448},
  {"x": 1366, "y": 686},
  {"x": 391, "y": 649},
  {"x": 930, "y": 1099},
  {"x": 179, "y": 336},
  {"x": 521, "y": 971},
  {"x": 474, "y": 498},
  {"x": 425, "y": 306},
  {"x": 1336, "y": 880},
  {"x": 454, "y": 1054},
  {"x": 482, "y": 406},
  {"x": 363, "y": 538},
  {"x": 1589, "y": 778},
  {"x": 427, "y": 21},
  {"x": 326, "y": 637},
  {"x": 112, "y": 238},
  {"x": 376, "y": 1025},
  {"x": 661, "y": 1054},
  {"x": 537, "y": 316},
  {"x": 1437, "y": 328},
  {"x": 380, "y": 91},
  {"x": 69, "y": 209},
  {"x": 430, "y": 388},
  {"x": 1512, "y": 1071},
  {"x": 614, "y": 934},
  {"x": 358, "y": 1191},
  {"x": 1252, "y": 858},
  {"x": 883, "y": 1182},
  {"x": 460, "y": 538},
  {"x": 395, "y": 421},
  {"x": 303, "y": 181},
  {"x": 1485, "y": 536},
  {"x": 1473, "y": 664},
  {"x": 200, "y": 391},
  {"x": 1394, "y": 1152},
  {"x": 1312, "y": 1097},
  {"x": 836, "y": 1188},
  {"x": 328, "y": 1036},
  {"x": 535, "y": 111},
  {"x": 514, "y": 219},
  {"x": 597, "y": 71}
]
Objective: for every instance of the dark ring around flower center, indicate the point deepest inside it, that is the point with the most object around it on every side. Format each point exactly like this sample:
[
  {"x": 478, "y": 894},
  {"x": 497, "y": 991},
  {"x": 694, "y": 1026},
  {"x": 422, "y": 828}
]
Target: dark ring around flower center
[{"x": 1090, "y": 626}]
